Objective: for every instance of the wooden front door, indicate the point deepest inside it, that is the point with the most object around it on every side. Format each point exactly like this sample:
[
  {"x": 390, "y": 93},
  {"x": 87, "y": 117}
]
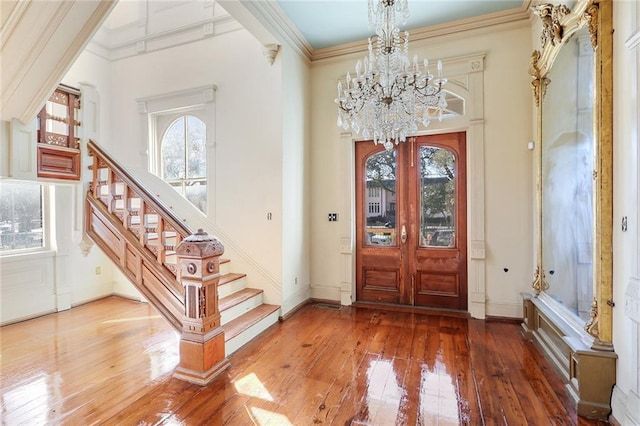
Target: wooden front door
[{"x": 411, "y": 236}]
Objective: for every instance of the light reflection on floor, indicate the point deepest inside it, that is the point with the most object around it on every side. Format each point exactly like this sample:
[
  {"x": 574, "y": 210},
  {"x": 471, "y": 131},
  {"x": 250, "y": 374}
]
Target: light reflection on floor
[
  {"x": 438, "y": 398},
  {"x": 263, "y": 417},
  {"x": 32, "y": 396},
  {"x": 383, "y": 392}
]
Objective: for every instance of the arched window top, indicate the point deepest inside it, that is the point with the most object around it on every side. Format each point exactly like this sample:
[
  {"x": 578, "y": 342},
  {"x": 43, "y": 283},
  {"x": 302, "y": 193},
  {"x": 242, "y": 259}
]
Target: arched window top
[{"x": 184, "y": 158}]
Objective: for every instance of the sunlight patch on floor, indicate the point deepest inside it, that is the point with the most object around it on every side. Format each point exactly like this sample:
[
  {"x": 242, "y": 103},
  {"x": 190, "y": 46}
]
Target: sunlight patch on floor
[
  {"x": 262, "y": 417},
  {"x": 113, "y": 321},
  {"x": 250, "y": 385}
]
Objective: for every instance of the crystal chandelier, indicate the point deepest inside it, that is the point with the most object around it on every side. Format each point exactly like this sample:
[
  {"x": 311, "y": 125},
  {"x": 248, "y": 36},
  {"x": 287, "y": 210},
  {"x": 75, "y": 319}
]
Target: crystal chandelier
[{"x": 389, "y": 96}]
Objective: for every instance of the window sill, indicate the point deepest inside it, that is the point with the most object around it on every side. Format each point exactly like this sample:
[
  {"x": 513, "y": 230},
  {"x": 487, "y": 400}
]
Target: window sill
[{"x": 26, "y": 255}]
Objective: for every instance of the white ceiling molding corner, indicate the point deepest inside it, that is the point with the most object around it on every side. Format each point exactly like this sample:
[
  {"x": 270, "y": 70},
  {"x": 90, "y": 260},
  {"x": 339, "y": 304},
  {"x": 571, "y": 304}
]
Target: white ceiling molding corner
[{"x": 266, "y": 17}]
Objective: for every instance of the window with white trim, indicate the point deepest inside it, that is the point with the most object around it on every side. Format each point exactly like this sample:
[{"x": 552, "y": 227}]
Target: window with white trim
[
  {"x": 21, "y": 217},
  {"x": 179, "y": 128}
]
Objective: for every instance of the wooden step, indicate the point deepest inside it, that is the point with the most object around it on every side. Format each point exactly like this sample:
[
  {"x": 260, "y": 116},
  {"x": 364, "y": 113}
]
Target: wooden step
[
  {"x": 238, "y": 303},
  {"x": 246, "y": 327},
  {"x": 225, "y": 266},
  {"x": 230, "y": 283}
]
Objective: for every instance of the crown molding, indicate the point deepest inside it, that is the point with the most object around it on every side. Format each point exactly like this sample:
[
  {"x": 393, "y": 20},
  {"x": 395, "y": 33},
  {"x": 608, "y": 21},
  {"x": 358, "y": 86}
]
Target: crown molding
[
  {"x": 478, "y": 22},
  {"x": 275, "y": 20}
]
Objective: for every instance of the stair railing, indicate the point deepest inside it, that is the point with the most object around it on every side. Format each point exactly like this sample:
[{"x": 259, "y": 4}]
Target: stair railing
[
  {"x": 177, "y": 270},
  {"x": 157, "y": 227}
]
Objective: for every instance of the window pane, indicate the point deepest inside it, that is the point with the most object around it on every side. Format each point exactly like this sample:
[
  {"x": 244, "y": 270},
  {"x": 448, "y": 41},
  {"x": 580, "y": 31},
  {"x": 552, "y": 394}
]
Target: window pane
[
  {"x": 173, "y": 142},
  {"x": 438, "y": 197},
  {"x": 197, "y": 147},
  {"x": 197, "y": 194},
  {"x": 380, "y": 199},
  {"x": 21, "y": 216}
]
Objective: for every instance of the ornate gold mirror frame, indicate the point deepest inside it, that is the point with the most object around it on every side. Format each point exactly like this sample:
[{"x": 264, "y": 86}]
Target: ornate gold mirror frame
[{"x": 558, "y": 24}]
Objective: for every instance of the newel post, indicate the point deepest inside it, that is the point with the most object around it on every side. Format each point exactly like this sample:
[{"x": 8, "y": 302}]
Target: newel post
[{"x": 202, "y": 352}]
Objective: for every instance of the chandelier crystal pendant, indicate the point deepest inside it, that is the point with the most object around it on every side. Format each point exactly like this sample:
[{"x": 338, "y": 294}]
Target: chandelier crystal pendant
[{"x": 389, "y": 96}]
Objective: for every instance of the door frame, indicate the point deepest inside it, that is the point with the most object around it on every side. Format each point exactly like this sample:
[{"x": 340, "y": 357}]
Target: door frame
[{"x": 466, "y": 81}]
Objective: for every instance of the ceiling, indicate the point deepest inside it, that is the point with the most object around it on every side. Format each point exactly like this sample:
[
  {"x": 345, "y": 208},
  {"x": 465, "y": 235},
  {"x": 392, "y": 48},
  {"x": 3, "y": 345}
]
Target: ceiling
[{"x": 325, "y": 23}]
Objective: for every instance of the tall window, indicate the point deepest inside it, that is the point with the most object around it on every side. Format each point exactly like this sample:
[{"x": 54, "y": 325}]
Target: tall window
[
  {"x": 184, "y": 159},
  {"x": 21, "y": 216}
]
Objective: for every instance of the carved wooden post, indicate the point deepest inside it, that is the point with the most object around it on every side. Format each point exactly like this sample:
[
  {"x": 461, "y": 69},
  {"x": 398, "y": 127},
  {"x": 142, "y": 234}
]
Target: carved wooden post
[{"x": 202, "y": 352}]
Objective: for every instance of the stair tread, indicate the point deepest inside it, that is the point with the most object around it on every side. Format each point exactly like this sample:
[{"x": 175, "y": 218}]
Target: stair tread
[
  {"x": 238, "y": 297},
  {"x": 227, "y": 278},
  {"x": 244, "y": 321}
]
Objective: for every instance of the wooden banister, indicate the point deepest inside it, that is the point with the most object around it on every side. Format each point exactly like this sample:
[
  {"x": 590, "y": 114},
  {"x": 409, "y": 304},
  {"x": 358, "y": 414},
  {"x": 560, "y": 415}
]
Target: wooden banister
[
  {"x": 176, "y": 270},
  {"x": 137, "y": 188}
]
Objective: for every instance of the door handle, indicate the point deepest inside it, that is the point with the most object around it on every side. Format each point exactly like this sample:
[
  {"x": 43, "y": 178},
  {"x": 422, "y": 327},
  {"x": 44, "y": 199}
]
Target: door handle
[{"x": 403, "y": 234}]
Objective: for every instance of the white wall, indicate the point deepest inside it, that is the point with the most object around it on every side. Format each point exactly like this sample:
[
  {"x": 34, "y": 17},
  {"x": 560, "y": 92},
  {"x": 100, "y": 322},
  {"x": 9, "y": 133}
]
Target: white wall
[
  {"x": 4, "y": 148},
  {"x": 61, "y": 277},
  {"x": 507, "y": 162},
  {"x": 295, "y": 179},
  {"x": 626, "y": 178},
  {"x": 248, "y": 140},
  {"x": 33, "y": 284}
]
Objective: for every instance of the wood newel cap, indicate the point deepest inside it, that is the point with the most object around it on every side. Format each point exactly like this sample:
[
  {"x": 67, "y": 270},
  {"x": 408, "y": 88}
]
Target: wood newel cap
[{"x": 200, "y": 245}]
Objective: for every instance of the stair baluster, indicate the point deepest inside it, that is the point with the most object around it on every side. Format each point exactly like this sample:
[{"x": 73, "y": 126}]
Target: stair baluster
[{"x": 186, "y": 294}]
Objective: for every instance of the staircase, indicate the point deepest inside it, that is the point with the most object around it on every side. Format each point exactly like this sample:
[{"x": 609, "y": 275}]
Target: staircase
[{"x": 140, "y": 235}]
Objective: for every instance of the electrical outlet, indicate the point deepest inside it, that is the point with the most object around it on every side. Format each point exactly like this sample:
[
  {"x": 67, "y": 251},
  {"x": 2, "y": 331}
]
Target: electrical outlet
[
  {"x": 98, "y": 270},
  {"x": 333, "y": 217}
]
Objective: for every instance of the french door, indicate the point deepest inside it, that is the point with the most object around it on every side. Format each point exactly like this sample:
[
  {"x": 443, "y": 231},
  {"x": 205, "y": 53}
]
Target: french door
[{"x": 411, "y": 235}]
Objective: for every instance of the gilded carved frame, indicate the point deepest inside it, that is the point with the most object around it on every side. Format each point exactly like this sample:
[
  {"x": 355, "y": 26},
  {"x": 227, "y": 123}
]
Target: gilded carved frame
[{"x": 558, "y": 24}]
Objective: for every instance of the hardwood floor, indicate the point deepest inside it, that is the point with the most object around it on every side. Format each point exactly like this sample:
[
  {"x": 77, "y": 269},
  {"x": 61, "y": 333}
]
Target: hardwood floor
[{"x": 110, "y": 362}]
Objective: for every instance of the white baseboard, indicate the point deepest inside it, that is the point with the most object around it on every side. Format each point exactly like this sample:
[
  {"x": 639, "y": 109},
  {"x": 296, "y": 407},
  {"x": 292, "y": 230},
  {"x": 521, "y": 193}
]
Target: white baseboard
[
  {"x": 325, "y": 293},
  {"x": 506, "y": 309}
]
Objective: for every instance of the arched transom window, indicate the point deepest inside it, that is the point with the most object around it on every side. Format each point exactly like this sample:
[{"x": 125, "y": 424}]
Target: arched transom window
[{"x": 184, "y": 159}]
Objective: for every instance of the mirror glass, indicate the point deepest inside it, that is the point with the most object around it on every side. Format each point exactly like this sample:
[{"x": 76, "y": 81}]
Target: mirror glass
[{"x": 567, "y": 175}]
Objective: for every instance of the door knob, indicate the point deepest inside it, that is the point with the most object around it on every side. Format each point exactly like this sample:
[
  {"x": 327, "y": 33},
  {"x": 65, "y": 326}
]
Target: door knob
[{"x": 403, "y": 234}]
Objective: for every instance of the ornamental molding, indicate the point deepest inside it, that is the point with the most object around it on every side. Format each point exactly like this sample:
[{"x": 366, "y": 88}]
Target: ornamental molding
[
  {"x": 540, "y": 283},
  {"x": 593, "y": 325},
  {"x": 270, "y": 52},
  {"x": 591, "y": 16},
  {"x": 199, "y": 245},
  {"x": 550, "y": 15}
]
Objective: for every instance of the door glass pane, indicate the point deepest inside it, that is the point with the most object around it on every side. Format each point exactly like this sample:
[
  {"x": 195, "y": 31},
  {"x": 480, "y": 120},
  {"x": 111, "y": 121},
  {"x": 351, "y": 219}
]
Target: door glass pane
[
  {"x": 437, "y": 197},
  {"x": 380, "y": 199}
]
